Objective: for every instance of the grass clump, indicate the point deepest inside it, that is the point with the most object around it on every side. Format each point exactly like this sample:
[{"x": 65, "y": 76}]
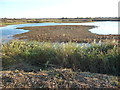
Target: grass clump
[{"x": 98, "y": 58}]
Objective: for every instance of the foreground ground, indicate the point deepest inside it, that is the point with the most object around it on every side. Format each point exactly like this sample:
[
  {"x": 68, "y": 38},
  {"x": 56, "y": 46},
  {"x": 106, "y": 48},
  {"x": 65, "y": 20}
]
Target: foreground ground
[{"x": 58, "y": 78}]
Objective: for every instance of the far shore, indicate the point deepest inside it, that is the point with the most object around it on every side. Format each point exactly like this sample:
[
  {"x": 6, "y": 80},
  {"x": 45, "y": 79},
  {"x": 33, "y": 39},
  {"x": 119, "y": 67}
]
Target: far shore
[{"x": 12, "y": 21}]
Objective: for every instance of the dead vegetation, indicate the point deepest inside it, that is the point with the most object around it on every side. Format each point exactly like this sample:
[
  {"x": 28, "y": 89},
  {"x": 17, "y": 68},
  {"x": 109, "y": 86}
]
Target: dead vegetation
[
  {"x": 57, "y": 78},
  {"x": 63, "y": 33}
]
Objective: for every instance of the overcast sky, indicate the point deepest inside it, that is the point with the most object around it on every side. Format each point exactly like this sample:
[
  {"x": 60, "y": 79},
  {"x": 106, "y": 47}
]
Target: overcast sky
[{"x": 58, "y": 8}]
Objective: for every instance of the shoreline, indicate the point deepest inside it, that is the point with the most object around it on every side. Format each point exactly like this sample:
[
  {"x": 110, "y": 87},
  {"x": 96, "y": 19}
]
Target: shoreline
[
  {"x": 3, "y": 25},
  {"x": 63, "y": 33},
  {"x": 57, "y": 33},
  {"x": 82, "y": 38}
]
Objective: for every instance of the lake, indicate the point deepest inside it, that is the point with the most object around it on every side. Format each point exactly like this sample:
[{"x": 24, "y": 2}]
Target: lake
[{"x": 103, "y": 28}]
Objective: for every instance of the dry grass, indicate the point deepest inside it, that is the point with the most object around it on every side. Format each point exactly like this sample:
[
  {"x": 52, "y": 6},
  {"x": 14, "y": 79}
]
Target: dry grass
[{"x": 57, "y": 78}]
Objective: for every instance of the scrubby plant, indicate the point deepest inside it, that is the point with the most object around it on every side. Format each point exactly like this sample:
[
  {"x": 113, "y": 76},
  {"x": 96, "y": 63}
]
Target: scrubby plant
[{"x": 99, "y": 58}]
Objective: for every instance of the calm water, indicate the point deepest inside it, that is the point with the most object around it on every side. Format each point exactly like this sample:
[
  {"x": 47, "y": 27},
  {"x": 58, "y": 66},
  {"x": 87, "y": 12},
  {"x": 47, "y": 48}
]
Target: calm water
[{"x": 106, "y": 27}]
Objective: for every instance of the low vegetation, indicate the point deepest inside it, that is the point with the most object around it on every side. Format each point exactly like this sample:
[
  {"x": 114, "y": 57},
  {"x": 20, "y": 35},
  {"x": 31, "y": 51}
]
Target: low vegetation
[
  {"x": 102, "y": 58},
  {"x": 58, "y": 79}
]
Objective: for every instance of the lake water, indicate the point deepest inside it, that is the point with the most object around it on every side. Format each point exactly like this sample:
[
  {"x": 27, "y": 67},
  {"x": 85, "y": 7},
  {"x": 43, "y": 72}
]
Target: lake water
[{"x": 104, "y": 27}]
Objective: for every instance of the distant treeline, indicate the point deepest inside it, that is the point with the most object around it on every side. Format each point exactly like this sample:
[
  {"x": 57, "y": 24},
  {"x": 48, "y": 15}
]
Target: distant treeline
[
  {"x": 63, "y": 18},
  {"x": 9, "y": 21}
]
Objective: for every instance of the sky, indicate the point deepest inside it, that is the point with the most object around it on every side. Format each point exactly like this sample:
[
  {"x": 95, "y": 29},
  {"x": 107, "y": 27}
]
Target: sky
[{"x": 58, "y": 8}]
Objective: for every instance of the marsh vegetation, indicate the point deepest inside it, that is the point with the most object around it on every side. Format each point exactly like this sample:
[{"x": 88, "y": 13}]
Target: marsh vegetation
[
  {"x": 52, "y": 57},
  {"x": 102, "y": 58}
]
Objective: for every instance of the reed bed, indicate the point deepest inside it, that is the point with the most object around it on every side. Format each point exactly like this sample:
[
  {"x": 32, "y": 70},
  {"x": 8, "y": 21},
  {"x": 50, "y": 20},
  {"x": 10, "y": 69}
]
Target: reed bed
[{"x": 97, "y": 58}]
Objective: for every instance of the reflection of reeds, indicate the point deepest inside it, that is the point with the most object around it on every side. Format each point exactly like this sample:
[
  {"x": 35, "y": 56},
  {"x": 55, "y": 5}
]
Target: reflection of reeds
[{"x": 102, "y": 58}]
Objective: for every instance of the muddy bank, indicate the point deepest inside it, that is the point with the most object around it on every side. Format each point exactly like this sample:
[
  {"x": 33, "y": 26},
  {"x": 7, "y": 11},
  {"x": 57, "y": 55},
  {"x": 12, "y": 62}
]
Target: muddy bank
[
  {"x": 63, "y": 33},
  {"x": 2, "y": 25},
  {"x": 57, "y": 78}
]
